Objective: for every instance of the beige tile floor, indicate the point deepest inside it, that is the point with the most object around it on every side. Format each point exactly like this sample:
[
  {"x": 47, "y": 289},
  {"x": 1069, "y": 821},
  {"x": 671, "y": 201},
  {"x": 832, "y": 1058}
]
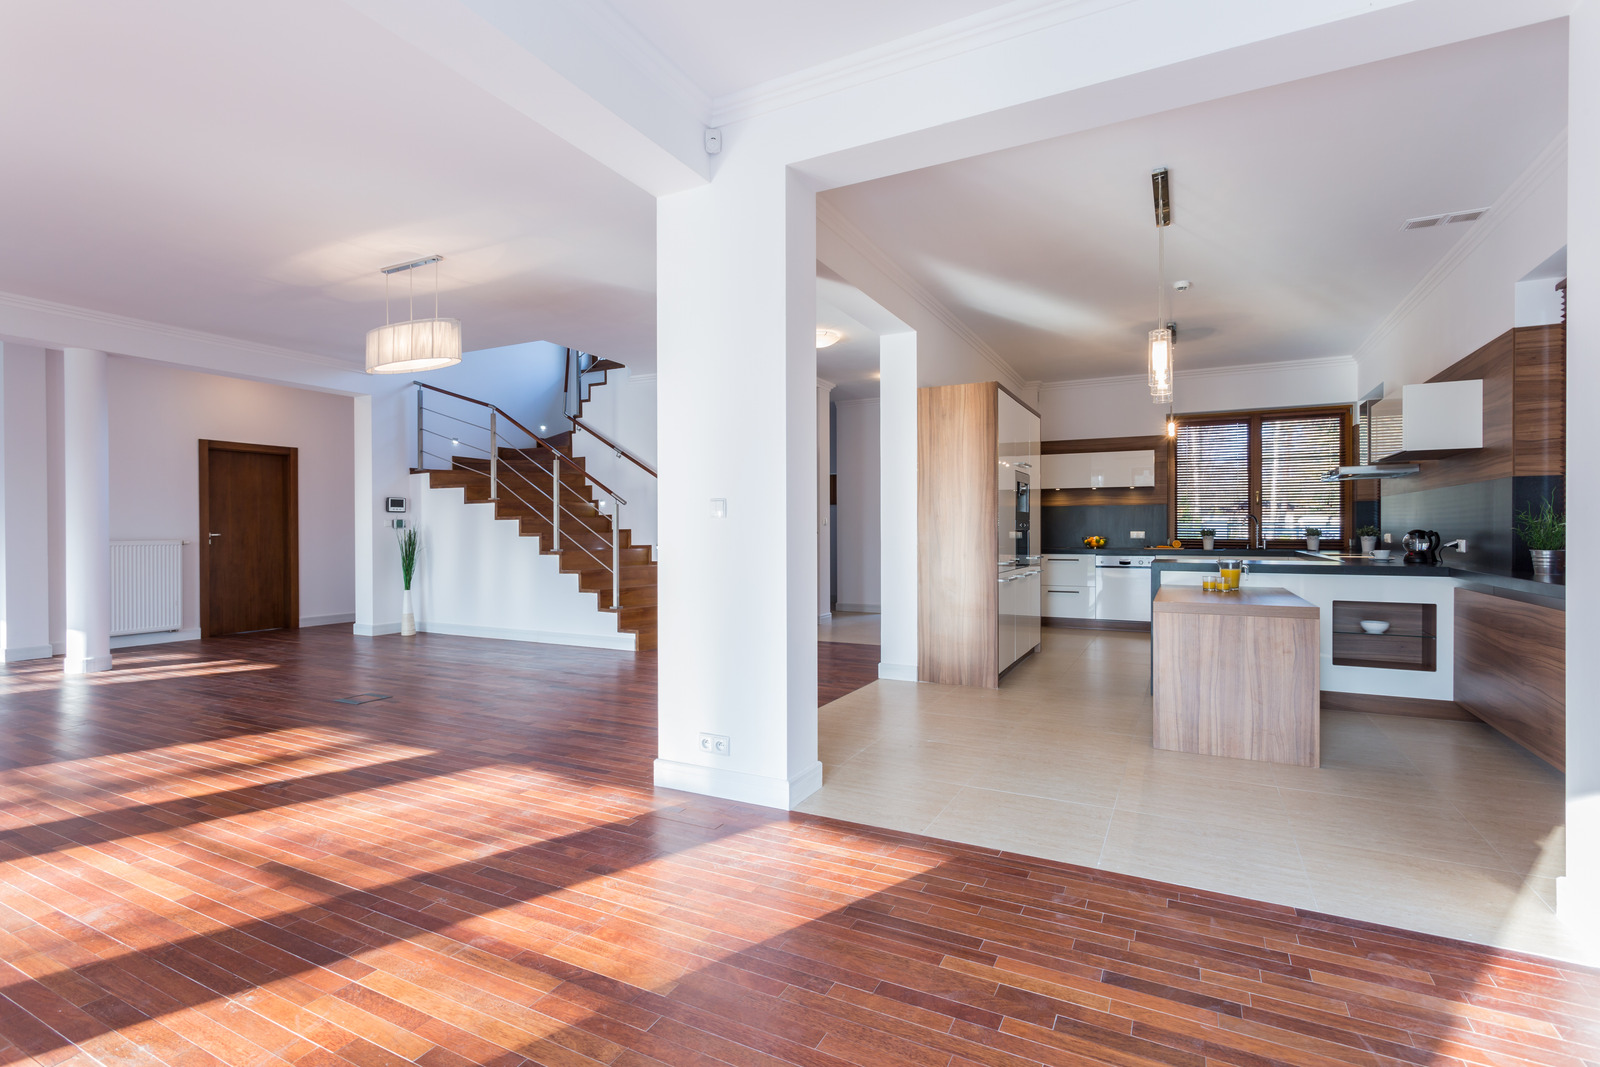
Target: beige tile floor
[
  {"x": 1443, "y": 827},
  {"x": 849, "y": 627}
]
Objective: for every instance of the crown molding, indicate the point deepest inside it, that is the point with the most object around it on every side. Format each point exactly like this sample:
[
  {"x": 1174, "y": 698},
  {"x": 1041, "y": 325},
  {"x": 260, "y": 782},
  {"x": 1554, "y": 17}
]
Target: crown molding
[
  {"x": 823, "y": 383},
  {"x": 1547, "y": 162},
  {"x": 605, "y": 22},
  {"x": 1016, "y": 19},
  {"x": 850, "y": 234},
  {"x": 1202, "y": 373},
  {"x": 89, "y": 316}
]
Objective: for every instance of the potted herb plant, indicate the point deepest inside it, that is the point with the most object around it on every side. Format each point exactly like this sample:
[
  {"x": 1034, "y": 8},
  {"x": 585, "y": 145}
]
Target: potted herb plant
[
  {"x": 408, "y": 568},
  {"x": 1369, "y": 539},
  {"x": 1208, "y": 537},
  {"x": 1544, "y": 531},
  {"x": 1313, "y": 539}
]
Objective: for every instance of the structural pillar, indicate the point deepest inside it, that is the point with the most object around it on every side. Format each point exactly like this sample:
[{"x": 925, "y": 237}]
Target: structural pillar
[
  {"x": 897, "y": 521},
  {"x": 24, "y": 506},
  {"x": 385, "y": 447},
  {"x": 824, "y": 497},
  {"x": 87, "y": 494},
  {"x": 1578, "y": 893},
  {"x": 737, "y": 581}
]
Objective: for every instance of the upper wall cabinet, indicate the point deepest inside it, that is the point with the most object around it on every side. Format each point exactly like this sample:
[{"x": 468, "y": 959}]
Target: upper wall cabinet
[
  {"x": 1437, "y": 419},
  {"x": 1100, "y": 470}
]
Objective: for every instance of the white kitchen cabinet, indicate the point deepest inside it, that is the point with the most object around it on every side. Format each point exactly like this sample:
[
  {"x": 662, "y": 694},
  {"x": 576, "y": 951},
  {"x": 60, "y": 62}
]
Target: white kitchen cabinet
[
  {"x": 1124, "y": 594},
  {"x": 1076, "y": 603},
  {"x": 1100, "y": 470},
  {"x": 1029, "y": 609}
]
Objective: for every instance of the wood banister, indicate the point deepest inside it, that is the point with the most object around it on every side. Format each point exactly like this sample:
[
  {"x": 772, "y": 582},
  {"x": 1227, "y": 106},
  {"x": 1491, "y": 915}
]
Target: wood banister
[{"x": 603, "y": 439}]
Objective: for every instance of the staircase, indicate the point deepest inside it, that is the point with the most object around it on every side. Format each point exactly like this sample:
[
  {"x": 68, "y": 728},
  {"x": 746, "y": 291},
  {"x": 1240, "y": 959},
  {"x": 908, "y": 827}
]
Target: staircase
[{"x": 586, "y": 549}]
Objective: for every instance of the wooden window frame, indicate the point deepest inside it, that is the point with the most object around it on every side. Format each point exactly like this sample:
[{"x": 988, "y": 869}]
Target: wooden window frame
[{"x": 1254, "y": 418}]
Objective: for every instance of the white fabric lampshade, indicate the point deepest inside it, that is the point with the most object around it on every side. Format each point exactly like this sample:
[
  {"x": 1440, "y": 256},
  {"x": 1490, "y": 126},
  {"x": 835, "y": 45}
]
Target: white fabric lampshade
[{"x": 414, "y": 345}]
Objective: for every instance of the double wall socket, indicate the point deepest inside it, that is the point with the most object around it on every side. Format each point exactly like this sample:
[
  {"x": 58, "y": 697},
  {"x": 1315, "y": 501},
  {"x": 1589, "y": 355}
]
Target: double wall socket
[{"x": 716, "y": 744}]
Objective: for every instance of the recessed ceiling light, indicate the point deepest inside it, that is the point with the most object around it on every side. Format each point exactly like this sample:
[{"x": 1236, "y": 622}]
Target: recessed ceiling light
[{"x": 826, "y": 337}]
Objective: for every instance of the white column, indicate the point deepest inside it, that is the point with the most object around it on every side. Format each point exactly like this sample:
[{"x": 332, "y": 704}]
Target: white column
[
  {"x": 385, "y": 447},
  {"x": 87, "y": 493},
  {"x": 1578, "y": 894},
  {"x": 737, "y": 367},
  {"x": 24, "y": 505},
  {"x": 824, "y": 527},
  {"x": 897, "y": 526}
]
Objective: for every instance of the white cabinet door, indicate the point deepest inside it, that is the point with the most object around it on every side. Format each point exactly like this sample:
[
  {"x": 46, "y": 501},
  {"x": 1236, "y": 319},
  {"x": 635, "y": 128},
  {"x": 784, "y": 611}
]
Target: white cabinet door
[
  {"x": 1007, "y": 622},
  {"x": 1028, "y": 612},
  {"x": 1062, "y": 572},
  {"x": 1077, "y": 603},
  {"x": 1124, "y": 594},
  {"x": 1069, "y": 471}
]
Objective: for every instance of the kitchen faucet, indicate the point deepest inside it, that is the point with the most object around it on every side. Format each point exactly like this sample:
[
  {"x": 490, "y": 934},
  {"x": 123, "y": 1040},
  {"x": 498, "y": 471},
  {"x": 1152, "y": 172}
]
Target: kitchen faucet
[{"x": 1258, "y": 540}]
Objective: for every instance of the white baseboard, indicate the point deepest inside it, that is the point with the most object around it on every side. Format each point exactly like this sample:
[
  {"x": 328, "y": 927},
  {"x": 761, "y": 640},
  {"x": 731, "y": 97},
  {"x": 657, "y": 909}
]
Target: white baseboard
[
  {"x": 737, "y": 785},
  {"x": 164, "y": 638},
  {"x": 327, "y": 620},
  {"x": 860, "y": 609},
  {"x": 374, "y": 629},
  {"x": 86, "y": 664},
  {"x": 622, "y": 642},
  {"x": 897, "y": 672},
  {"x": 22, "y": 652},
  {"x": 825, "y": 616}
]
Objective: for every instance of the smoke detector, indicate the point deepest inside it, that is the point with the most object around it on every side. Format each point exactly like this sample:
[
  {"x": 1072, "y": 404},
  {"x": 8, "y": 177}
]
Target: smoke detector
[{"x": 1182, "y": 285}]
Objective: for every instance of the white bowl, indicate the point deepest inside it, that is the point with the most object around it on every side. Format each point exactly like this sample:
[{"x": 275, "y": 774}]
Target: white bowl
[
  {"x": 1382, "y": 553},
  {"x": 1373, "y": 626}
]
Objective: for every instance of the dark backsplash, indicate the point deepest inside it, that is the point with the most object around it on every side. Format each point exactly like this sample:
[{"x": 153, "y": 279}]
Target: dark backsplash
[
  {"x": 1478, "y": 511},
  {"x": 1065, "y": 527}
]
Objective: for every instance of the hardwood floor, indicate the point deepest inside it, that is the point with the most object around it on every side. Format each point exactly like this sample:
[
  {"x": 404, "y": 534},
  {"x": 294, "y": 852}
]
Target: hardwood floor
[
  {"x": 204, "y": 859},
  {"x": 843, "y": 667}
]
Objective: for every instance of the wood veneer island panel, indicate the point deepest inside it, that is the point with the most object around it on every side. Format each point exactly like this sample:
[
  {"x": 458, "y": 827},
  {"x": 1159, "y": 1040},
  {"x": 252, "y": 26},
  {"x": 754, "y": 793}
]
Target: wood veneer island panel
[{"x": 1237, "y": 674}]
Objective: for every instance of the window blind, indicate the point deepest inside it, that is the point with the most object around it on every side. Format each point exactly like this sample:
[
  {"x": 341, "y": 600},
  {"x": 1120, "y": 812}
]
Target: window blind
[
  {"x": 1212, "y": 474},
  {"x": 1295, "y": 453}
]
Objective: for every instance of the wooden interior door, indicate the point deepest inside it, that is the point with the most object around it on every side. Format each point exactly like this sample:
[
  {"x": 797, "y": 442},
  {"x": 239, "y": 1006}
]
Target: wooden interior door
[{"x": 249, "y": 543}]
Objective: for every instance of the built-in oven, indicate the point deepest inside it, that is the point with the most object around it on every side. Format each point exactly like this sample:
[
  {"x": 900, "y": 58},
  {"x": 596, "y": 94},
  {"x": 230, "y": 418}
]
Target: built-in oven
[{"x": 1024, "y": 518}]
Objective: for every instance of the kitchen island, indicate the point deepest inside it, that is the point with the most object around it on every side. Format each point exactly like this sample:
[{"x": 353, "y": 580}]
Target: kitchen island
[{"x": 1237, "y": 674}]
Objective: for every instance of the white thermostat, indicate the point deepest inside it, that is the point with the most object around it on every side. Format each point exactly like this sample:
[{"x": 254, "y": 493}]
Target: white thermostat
[{"x": 394, "y": 503}]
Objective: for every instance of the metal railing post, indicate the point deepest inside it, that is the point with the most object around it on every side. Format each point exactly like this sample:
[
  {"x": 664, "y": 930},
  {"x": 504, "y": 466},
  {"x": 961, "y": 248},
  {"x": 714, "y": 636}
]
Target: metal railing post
[
  {"x": 494, "y": 457},
  {"x": 555, "y": 500},
  {"x": 616, "y": 554},
  {"x": 419, "y": 428}
]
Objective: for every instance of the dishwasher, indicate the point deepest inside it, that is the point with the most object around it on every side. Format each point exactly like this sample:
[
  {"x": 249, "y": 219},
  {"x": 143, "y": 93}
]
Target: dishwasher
[{"x": 1124, "y": 588}]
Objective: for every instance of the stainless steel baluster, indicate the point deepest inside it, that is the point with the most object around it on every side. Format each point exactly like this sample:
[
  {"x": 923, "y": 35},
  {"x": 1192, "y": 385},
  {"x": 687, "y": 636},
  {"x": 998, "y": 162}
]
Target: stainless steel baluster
[
  {"x": 494, "y": 456},
  {"x": 555, "y": 500},
  {"x": 616, "y": 553},
  {"x": 419, "y": 429}
]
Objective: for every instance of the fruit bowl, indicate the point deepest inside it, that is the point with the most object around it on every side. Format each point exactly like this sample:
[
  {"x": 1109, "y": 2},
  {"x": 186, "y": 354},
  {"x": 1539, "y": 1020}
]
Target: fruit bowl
[{"x": 1094, "y": 542}]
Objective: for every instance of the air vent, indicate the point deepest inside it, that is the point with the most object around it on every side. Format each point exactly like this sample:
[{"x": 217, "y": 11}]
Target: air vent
[{"x": 1425, "y": 222}]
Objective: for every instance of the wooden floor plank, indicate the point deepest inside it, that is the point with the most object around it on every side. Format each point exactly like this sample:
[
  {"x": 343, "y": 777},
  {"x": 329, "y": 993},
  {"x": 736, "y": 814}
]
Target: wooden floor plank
[{"x": 205, "y": 859}]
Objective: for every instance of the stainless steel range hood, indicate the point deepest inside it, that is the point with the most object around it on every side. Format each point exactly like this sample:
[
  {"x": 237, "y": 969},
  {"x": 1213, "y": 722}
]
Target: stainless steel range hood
[{"x": 1369, "y": 471}]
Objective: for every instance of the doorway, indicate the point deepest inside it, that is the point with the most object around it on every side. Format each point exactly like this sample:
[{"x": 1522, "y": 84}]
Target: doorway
[{"x": 249, "y": 538}]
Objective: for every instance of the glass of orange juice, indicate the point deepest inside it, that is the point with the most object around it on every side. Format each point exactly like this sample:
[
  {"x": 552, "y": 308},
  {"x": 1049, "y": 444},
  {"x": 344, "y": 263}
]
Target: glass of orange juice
[{"x": 1228, "y": 570}]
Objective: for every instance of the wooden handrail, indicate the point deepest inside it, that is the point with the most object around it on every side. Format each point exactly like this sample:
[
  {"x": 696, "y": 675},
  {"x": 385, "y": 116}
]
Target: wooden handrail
[
  {"x": 612, "y": 493},
  {"x": 603, "y": 439}
]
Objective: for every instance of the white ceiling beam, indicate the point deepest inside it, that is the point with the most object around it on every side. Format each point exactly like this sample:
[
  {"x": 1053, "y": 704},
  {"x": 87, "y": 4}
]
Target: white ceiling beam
[
  {"x": 574, "y": 69},
  {"x": 1078, "y": 65}
]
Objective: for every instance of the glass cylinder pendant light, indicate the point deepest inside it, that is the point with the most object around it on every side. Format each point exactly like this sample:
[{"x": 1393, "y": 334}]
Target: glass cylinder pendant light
[
  {"x": 416, "y": 344},
  {"x": 1159, "y": 359}
]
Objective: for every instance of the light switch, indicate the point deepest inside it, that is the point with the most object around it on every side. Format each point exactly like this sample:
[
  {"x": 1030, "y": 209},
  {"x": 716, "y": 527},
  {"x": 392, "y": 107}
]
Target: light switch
[
  {"x": 1137, "y": 535},
  {"x": 719, "y": 507}
]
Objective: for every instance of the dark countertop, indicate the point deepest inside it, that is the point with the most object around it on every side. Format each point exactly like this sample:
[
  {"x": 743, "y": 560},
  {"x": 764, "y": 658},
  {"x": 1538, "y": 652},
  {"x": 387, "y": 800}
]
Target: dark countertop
[{"x": 1511, "y": 586}]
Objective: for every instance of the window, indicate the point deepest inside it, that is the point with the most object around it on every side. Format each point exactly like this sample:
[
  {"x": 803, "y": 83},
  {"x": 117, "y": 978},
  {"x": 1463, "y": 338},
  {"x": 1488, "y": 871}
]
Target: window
[{"x": 1272, "y": 459}]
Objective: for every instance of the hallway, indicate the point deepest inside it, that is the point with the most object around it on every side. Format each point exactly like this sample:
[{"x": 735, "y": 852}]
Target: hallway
[{"x": 206, "y": 857}]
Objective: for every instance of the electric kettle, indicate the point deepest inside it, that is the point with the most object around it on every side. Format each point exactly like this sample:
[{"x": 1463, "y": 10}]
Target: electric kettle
[{"x": 1422, "y": 546}]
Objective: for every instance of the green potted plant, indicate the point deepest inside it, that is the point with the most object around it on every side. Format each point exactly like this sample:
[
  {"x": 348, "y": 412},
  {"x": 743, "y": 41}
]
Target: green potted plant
[
  {"x": 408, "y": 568},
  {"x": 1544, "y": 531},
  {"x": 1208, "y": 537},
  {"x": 1369, "y": 539},
  {"x": 1313, "y": 539}
]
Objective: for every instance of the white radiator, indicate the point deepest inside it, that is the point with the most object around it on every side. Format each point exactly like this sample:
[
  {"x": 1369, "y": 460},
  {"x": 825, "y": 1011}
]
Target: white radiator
[{"x": 146, "y": 586}]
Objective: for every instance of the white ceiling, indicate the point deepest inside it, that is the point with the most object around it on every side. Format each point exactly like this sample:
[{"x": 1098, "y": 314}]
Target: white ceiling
[
  {"x": 245, "y": 169},
  {"x": 727, "y": 45},
  {"x": 851, "y": 364},
  {"x": 1287, "y": 206}
]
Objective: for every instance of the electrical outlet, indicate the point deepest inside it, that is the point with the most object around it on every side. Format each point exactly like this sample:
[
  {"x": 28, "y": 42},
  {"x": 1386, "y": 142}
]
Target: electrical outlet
[
  {"x": 1137, "y": 535},
  {"x": 715, "y": 744},
  {"x": 1388, "y": 538}
]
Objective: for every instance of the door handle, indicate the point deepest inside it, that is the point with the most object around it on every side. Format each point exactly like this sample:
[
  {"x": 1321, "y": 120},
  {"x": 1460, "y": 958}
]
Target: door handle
[{"x": 212, "y": 537}]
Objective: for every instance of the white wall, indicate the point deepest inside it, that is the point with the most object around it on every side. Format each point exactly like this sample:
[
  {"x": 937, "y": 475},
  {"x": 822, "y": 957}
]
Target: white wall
[
  {"x": 1469, "y": 298},
  {"x": 624, "y": 409},
  {"x": 477, "y": 576},
  {"x": 524, "y": 381},
  {"x": 158, "y": 415},
  {"x": 1121, "y": 407},
  {"x": 860, "y": 545}
]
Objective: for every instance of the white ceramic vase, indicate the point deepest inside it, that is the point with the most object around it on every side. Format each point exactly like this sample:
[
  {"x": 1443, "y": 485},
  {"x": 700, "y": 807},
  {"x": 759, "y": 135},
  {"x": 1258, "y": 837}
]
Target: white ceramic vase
[
  {"x": 1208, "y": 541},
  {"x": 1313, "y": 544},
  {"x": 1368, "y": 544},
  {"x": 408, "y": 621}
]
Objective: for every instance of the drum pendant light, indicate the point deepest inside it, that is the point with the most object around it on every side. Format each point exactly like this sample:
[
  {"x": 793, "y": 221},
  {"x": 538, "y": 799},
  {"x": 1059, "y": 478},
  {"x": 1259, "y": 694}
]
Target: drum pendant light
[
  {"x": 1159, "y": 356},
  {"x": 415, "y": 344}
]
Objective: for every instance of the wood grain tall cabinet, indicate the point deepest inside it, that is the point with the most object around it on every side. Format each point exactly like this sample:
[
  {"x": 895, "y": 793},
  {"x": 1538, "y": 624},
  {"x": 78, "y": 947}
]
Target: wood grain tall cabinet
[{"x": 971, "y": 439}]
